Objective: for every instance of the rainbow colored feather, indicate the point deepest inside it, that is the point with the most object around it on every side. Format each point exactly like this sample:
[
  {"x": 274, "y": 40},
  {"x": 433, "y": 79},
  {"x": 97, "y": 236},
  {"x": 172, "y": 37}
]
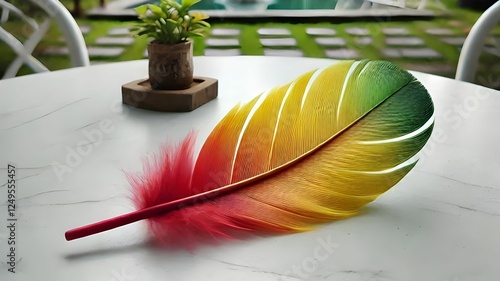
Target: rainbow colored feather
[{"x": 312, "y": 151}]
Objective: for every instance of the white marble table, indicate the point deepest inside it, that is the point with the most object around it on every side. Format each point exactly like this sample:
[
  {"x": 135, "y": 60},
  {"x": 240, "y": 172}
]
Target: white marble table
[{"x": 440, "y": 223}]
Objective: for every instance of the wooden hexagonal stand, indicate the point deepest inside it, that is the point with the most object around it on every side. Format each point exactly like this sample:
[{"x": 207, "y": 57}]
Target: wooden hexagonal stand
[{"x": 140, "y": 94}]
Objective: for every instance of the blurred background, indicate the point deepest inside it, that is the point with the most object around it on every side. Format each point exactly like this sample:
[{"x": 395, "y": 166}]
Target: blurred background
[{"x": 425, "y": 36}]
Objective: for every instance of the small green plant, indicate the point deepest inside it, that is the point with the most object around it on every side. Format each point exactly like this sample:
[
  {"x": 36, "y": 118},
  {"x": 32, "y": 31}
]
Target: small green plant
[{"x": 170, "y": 22}]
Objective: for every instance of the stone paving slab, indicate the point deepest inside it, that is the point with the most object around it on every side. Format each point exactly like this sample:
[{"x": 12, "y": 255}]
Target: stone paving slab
[
  {"x": 94, "y": 51},
  {"x": 105, "y": 51},
  {"x": 320, "y": 31},
  {"x": 283, "y": 53},
  {"x": 439, "y": 31},
  {"x": 225, "y": 32},
  {"x": 222, "y": 52},
  {"x": 268, "y": 31},
  {"x": 411, "y": 53},
  {"x": 456, "y": 23},
  {"x": 431, "y": 68},
  {"x": 420, "y": 53},
  {"x": 395, "y": 31},
  {"x": 342, "y": 54},
  {"x": 61, "y": 39},
  {"x": 404, "y": 41},
  {"x": 56, "y": 51},
  {"x": 363, "y": 41},
  {"x": 455, "y": 41},
  {"x": 125, "y": 41},
  {"x": 119, "y": 31},
  {"x": 357, "y": 31},
  {"x": 330, "y": 41},
  {"x": 222, "y": 42},
  {"x": 391, "y": 53},
  {"x": 85, "y": 29},
  {"x": 278, "y": 42}
]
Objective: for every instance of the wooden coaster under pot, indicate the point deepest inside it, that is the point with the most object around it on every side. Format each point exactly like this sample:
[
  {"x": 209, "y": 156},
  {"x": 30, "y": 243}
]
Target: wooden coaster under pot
[{"x": 140, "y": 94}]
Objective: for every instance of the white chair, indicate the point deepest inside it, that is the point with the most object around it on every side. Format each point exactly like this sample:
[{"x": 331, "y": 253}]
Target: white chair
[
  {"x": 57, "y": 12},
  {"x": 474, "y": 43}
]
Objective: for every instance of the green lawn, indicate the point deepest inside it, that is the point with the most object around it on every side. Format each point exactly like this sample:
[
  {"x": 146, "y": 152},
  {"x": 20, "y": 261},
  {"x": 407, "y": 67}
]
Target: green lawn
[{"x": 459, "y": 21}]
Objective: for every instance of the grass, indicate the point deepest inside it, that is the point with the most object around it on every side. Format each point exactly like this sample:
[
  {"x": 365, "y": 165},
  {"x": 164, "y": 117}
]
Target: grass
[
  {"x": 86, "y": 4},
  {"x": 463, "y": 20}
]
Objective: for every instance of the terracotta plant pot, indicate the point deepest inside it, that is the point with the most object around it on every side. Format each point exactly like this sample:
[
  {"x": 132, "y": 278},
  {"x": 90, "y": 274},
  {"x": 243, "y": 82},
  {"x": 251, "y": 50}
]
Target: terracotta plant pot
[{"x": 170, "y": 65}]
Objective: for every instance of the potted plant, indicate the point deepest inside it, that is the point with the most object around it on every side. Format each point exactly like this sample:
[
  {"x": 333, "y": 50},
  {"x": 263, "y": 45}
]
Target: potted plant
[{"x": 170, "y": 24}]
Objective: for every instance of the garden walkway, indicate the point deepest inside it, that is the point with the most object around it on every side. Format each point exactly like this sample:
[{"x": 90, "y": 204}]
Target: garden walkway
[{"x": 430, "y": 47}]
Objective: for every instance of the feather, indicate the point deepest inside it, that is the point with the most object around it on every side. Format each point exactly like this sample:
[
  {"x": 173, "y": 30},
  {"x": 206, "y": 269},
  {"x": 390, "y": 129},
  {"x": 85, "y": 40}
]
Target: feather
[{"x": 315, "y": 150}]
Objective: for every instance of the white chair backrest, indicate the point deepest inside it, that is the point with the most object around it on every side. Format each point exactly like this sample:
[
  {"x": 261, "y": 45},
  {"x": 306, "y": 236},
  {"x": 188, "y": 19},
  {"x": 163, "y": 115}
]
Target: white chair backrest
[
  {"x": 474, "y": 43},
  {"x": 56, "y": 12}
]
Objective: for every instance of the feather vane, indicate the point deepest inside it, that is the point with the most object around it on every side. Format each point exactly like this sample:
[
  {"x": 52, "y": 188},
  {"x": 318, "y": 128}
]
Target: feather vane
[{"x": 312, "y": 151}]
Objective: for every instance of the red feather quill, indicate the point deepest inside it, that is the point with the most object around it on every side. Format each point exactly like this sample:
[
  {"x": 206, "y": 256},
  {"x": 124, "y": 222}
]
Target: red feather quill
[{"x": 312, "y": 151}]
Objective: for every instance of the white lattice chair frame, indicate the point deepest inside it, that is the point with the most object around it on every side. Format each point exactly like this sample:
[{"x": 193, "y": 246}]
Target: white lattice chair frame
[
  {"x": 55, "y": 11},
  {"x": 474, "y": 43}
]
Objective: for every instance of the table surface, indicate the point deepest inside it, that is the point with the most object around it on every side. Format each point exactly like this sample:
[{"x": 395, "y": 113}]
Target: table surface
[{"x": 441, "y": 222}]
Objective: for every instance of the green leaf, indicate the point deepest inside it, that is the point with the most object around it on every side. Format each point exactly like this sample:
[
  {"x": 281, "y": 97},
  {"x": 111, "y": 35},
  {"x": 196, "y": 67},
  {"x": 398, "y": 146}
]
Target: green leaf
[
  {"x": 141, "y": 10},
  {"x": 189, "y": 3},
  {"x": 204, "y": 23},
  {"x": 186, "y": 5},
  {"x": 164, "y": 7},
  {"x": 172, "y": 21},
  {"x": 174, "y": 4},
  {"x": 194, "y": 34},
  {"x": 143, "y": 32},
  {"x": 157, "y": 11}
]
